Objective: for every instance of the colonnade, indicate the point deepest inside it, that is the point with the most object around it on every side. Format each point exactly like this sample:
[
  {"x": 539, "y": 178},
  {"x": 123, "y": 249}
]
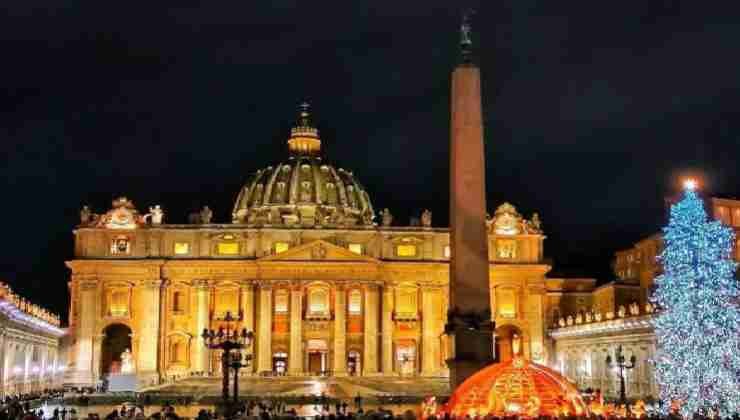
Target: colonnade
[
  {"x": 379, "y": 330},
  {"x": 583, "y": 361},
  {"x": 30, "y": 362}
]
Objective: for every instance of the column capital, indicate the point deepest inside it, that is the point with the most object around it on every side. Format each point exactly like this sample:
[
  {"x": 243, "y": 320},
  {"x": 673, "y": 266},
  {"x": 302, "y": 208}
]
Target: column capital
[
  {"x": 201, "y": 284},
  {"x": 88, "y": 284},
  {"x": 151, "y": 283}
]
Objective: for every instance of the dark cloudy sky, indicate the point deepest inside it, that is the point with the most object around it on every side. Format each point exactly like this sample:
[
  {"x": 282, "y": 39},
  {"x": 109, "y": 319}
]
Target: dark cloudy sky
[{"x": 592, "y": 110}]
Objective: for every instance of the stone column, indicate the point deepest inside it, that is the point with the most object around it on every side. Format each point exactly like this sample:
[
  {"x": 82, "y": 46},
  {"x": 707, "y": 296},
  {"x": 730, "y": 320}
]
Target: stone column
[
  {"x": 264, "y": 338},
  {"x": 82, "y": 372},
  {"x": 247, "y": 291},
  {"x": 430, "y": 342},
  {"x": 202, "y": 315},
  {"x": 295, "y": 364},
  {"x": 370, "y": 352},
  {"x": 148, "y": 334},
  {"x": 387, "y": 327},
  {"x": 340, "y": 331}
]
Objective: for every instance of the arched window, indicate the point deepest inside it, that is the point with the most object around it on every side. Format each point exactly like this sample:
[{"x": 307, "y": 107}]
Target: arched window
[
  {"x": 318, "y": 302},
  {"x": 281, "y": 301},
  {"x": 355, "y": 302}
]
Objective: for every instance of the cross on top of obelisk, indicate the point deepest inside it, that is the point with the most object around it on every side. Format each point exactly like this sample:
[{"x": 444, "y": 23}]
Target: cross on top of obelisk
[{"x": 466, "y": 41}]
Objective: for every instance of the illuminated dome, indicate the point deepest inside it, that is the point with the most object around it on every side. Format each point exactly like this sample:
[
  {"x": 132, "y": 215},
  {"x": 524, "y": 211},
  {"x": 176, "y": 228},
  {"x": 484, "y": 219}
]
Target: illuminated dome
[
  {"x": 304, "y": 191},
  {"x": 516, "y": 387}
]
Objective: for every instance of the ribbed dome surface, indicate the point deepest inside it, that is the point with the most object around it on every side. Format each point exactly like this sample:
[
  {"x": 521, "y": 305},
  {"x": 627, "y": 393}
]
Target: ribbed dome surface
[
  {"x": 304, "y": 191},
  {"x": 516, "y": 387}
]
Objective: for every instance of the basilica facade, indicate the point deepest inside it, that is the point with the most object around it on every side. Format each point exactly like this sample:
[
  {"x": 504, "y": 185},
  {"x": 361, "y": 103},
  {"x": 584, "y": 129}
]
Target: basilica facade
[{"x": 304, "y": 265}]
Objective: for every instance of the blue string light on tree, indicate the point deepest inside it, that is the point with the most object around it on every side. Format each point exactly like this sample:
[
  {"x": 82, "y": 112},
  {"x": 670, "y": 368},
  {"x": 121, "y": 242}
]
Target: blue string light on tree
[{"x": 698, "y": 328}]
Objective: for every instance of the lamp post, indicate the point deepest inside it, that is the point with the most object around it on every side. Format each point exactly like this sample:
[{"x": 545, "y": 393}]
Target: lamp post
[
  {"x": 226, "y": 340},
  {"x": 621, "y": 364}
]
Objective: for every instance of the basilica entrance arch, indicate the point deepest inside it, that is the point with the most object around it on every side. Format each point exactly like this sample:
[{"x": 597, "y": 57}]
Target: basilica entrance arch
[
  {"x": 506, "y": 336},
  {"x": 116, "y": 340}
]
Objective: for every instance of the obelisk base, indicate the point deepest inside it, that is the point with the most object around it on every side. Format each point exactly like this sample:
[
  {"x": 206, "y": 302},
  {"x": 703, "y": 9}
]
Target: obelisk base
[{"x": 471, "y": 350}]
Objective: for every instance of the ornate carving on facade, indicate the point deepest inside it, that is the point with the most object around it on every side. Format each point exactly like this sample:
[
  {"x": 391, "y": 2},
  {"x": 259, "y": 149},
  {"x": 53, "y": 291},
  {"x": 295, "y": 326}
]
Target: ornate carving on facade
[
  {"x": 123, "y": 215},
  {"x": 506, "y": 220}
]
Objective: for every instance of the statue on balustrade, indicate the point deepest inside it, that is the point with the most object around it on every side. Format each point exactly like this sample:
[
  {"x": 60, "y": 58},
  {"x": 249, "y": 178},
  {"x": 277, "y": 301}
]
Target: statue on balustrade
[
  {"x": 387, "y": 217},
  {"x": 426, "y": 218},
  {"x": 205, "y": 215}
]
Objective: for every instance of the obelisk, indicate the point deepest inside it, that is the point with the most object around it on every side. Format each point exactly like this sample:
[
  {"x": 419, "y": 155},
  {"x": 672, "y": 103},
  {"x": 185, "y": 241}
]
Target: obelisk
[{"x": 469, "y": 327}]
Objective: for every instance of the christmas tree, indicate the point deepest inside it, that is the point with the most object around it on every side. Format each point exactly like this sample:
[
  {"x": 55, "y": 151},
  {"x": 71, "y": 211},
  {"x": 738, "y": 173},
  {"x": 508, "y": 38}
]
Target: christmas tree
[{"x": 698, "y": 327}]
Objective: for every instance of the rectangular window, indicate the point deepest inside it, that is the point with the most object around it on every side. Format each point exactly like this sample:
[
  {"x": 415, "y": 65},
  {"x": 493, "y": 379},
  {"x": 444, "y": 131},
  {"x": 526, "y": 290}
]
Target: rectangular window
[
  {"x": 506, "y": 248},
  {"x": 120, "y": 245},
  {"x": 182, "y": 248},
  {"x": 355, "y": 302},
  {"x": 281, "y": 247},
  {"x": 406, "y": 250},
  {"x": 356, "y": 248},
  {"x": 228, "y": 248},
  {"x": 447, "y": 251}
]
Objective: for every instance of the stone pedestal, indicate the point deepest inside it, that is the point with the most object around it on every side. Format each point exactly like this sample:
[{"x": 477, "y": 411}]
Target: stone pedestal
[{"x": 470, "y": 351}]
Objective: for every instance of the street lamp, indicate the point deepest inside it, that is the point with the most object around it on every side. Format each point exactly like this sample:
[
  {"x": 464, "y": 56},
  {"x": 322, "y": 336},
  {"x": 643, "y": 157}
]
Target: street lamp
[
  {"x": 226, "y": 340},
  {"x": 620, "y": 365}
]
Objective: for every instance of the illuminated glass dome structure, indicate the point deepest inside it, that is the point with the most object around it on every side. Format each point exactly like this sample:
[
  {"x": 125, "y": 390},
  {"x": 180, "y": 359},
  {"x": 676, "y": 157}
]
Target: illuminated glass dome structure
[{"x": 516, "y": 387}]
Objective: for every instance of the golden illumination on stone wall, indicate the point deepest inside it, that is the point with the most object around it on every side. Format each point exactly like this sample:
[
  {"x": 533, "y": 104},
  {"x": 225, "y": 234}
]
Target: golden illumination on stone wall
[
  {"x": 447, "y": 251},
  {"x": 356, "y": 248},
  {"x": 228, "y": 248},
  {"x": 406, "y": 250},
  {"x": 506, "y": 303},
  {"x": 182, "y": 248},
  {"x": 406, "y": 302},
  {"x": 227, "y": 301}
]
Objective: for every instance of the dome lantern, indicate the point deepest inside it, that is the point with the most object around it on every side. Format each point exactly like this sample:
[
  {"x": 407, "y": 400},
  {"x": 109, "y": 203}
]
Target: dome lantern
[
  {"x": 304, "y": 191},
  {"x": 304, "y": 137}
]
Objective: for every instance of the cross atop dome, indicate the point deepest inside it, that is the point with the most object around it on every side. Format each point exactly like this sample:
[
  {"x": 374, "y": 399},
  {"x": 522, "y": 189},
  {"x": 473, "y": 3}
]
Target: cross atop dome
[{"x": 304, "y": 137}]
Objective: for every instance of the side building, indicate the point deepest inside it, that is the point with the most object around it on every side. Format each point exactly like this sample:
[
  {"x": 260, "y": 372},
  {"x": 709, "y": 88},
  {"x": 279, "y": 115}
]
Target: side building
[
  {"x": 620, "y": 315},
  {"x": 30, "y": 355}
]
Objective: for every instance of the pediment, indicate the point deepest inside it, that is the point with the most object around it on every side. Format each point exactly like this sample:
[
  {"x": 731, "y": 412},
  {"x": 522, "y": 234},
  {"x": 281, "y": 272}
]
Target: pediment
[{"x": 319, "y": 250}]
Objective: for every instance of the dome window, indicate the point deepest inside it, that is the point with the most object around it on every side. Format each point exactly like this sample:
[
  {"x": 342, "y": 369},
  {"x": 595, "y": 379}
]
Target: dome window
[{"x": 281, "y": 247}]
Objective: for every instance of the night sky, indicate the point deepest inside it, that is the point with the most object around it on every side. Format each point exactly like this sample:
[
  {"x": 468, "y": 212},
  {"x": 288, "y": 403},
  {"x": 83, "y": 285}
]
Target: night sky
[{"x": 592, "y": 111}]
